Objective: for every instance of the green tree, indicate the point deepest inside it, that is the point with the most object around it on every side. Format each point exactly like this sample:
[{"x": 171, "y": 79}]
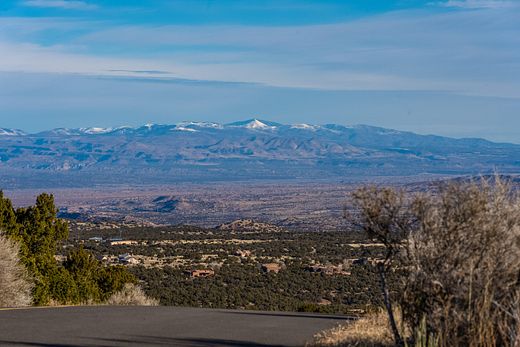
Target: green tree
[
  {"x": 113, "y": 279},
  {"x": 84, "y": 269},
  {"x": 39, "y": 231}
]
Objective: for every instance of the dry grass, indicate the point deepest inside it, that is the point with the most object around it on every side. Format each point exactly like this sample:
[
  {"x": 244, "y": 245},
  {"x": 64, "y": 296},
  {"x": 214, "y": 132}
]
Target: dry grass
[
  {"x": 131, "y": 295},
  {"x": 371, "y": 330},
  {"x": 464, "y": 260},
  {"x": 15, "y": 284}
]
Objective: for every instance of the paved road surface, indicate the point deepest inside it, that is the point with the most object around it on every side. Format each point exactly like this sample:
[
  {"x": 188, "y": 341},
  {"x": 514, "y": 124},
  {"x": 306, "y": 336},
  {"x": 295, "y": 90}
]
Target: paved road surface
[{"x": 157, "y": 326}]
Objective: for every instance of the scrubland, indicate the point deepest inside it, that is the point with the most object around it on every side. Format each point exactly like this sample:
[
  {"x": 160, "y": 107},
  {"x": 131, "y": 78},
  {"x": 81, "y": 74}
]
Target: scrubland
[{"x": 434, "y": 268}]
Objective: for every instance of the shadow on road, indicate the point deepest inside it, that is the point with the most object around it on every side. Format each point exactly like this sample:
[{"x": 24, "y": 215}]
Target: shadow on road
[
  {"x": 145, "y": 341},
  {"x": 295, "y": 315},
  {"x": 35, "y": 344},
  {"x": 190, "y": 342}
]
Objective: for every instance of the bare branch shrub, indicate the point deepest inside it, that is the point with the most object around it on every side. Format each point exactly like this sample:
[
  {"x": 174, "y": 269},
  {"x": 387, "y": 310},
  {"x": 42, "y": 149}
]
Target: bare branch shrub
[
  {"x": 384, "y": 216},
  {"x": 460, "y": 252},
  {"x": 131, "y": 295},
  {"x": 15, "y": 284}
]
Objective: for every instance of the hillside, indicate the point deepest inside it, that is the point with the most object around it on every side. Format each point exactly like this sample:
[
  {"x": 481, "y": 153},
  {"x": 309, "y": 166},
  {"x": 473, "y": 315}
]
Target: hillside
[{"x": 251, "y": 149}]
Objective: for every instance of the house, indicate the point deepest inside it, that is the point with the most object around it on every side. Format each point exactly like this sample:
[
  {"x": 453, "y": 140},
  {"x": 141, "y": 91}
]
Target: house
[
  {"x": 127, "y": 259},
  {"x": 271, "y": 267},
  {"x": 200, "y": 273}
]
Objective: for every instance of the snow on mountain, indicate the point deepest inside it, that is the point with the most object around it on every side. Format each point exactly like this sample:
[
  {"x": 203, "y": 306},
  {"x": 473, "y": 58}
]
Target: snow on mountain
[
  {"x": 95, "y": 131},
  {"x": 254, "y": 124},
  {"x": 63, "y": 131},
  {"x": 60, "y": 132},
  {"x": 189, "y": 124},
  {"x": 247, "y": 149},
  {"x": 304, "y": 126},
  {"x": 181, "y": 128},
  {"x": 149, "y": 128},
  {"x": 122, "y": 130},
  {"x": 11, "y": 132}
]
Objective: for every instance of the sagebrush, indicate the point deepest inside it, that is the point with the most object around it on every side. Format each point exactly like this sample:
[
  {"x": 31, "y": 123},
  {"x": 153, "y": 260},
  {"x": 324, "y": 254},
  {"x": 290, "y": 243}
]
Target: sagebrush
[
  {"x": 458, "y": 250},
  {"x": 15, "y": 283},
  {"x": 131, "y": 295}
]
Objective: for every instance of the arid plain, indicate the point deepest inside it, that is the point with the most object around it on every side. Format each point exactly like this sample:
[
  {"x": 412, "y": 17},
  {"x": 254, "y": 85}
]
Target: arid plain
[{"x": 289, "y": 204}]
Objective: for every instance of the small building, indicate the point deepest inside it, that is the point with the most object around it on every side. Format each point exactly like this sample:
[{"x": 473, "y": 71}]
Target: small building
[
  {"x": 200, "y": 273},
  {"x": 127, "y": 259},
  {"x": 271, "y": 267}
]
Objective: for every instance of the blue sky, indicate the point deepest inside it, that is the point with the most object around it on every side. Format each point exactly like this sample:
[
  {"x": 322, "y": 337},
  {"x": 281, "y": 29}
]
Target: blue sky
[{"x": 449, "y": 67}]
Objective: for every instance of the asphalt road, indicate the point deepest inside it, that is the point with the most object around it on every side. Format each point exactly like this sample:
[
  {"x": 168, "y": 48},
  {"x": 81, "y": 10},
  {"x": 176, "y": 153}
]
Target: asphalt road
[{"x": 157, "y": 326}]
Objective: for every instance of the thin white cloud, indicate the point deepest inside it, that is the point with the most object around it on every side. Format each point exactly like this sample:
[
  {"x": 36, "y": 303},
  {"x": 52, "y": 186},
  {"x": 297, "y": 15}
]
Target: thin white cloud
[
  {"x": 468, "y": 52},
  {"x": 61, "y": 4},
  {"x": 479, "y": 4}
]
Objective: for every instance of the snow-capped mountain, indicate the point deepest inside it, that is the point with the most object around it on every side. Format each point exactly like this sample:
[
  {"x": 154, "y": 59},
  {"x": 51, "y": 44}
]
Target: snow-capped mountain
[
  {"x": 81, "y": 131},
  {"x": 250, "y": 149},
  {"x": 190, "y": 126},
  {"x": 255, "y": 124},
  {"x": 11, "y": 132}
]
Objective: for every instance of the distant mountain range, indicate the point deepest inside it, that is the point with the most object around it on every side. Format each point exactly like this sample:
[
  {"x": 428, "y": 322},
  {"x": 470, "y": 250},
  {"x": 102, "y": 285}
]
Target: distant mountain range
[{"x": 245, "y": 150}]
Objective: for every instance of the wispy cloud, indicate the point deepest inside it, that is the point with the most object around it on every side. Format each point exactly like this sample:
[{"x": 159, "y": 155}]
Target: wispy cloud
[
  {"x": 146, "y": 72},
  {"x": 476, "y": 4},
  {"x": 405, "y": 50},
  {"x": 61, "y": 4}
]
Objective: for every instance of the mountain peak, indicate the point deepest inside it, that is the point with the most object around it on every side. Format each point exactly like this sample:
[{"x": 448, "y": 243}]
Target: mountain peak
[{"x": 256, "y": 124}]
